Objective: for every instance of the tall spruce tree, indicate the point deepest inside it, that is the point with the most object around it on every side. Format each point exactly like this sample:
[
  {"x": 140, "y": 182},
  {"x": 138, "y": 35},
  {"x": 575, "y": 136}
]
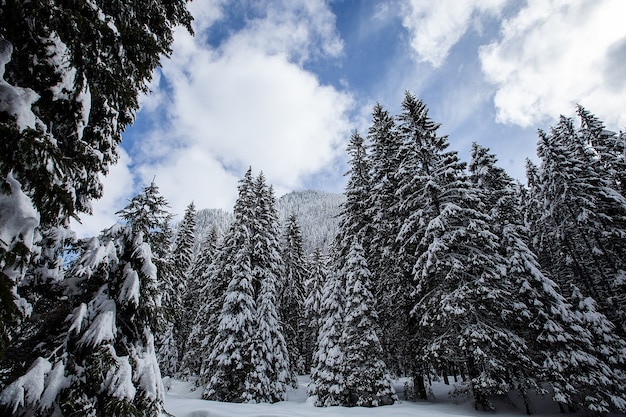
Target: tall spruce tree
[
  {"x": 582, "y": 219},
  {"x": 327, "y": 387},
  {"x": 462, "y": 302},
  {"x": 551, "y": 328},
  {"x": 202, "y": 305},
  {"x": 104, "y": 361},
  {"x": 175, "y": 333},
  {"x": 272, "y": 371},
  {"x": 292, "y": 295},
  {"x": 249, "y": 359},
  {"x": 414, "y": 208},
  {"x": 392, "y": 269},
  {"x": 229, "y": 361},
  {"x": 73, "y": 74},
  {"x": 367, "y": 381},
  {"x": 353, "y": 218},
  {"x": 318, "y": 273}
]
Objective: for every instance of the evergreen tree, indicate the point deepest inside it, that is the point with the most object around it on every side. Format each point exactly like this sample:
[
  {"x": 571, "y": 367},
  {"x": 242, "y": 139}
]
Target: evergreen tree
[
  {"x": 414, "y": 207},
  {"x": 554, "y": 332},
  {"x": 272, "y": 371},
  {"x": 462, "y": 301},
  {"x": 610, "y": 148},
  {"x": 171, "y": 345},
  {"x": 327, "y": 387},
  {"x": 387, "y": 263},
  {"x": 268, "y": 380},
  {"x": 73, "y": 74},
  {"x": 104, "y": 362},
  {"x": 292, "y": 296},
  {"x": 592, "y": 372},
  {"x": 313, "y": 303},
  {"x": 353, "y": 218},
  {"x": 202, "y": 304},
  {"x": 249, "y": 360},
  {"x": 230, "y": 362},
  {"x": 582, "y": 219},
  {"x": 367, "y": 382}
]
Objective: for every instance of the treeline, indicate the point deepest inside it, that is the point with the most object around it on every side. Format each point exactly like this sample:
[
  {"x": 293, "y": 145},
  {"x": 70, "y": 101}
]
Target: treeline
[{"x": 440, "y": 268}]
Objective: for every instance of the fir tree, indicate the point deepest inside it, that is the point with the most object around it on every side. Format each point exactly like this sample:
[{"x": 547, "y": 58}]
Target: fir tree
[
  {"x": 462, "y": 301},
  {"x": 327, "y": 387},
  {"x": 353, "y": 219},
  {"x": 391, "y": 268},
  {"x": 414, "y": 207},
  {"x": 272, "y": 371},
  {"x": 202, "y": 305},
  {"x": 292, "y": 295},
  {"x": 582, "y": 219},
  {"x": 313, "y": 303},
  {"x": 249, "y": 360},
  {"x": 77, "y": 71},
  {"x": 230, "y": 362},
  {"x": 367, "y": 382},
  {"x": 170, "y": 347},
  {"x": 105, "y": 361}
]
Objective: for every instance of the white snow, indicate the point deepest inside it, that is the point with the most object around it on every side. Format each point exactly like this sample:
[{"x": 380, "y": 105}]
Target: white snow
[
  {"x": 18, "y": 223},
  {"x": 18, "y": 218},
  {"x": 28, "y": 388},
  {"x": 130, "y": 289},
  {"x": 15, "y": 101},
  {"x": 183, "y": 399}
]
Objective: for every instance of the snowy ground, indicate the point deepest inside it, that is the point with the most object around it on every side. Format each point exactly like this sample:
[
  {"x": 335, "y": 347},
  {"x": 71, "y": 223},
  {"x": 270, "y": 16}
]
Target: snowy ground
[{"x": 182, "y": 401}]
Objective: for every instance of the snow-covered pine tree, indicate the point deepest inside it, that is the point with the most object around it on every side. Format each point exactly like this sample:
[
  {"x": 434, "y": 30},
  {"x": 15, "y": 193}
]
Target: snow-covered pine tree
[
  {"x": 609, "y": 146},
  {"x": 229, "y": 361},
  {"x": 353, "y": 218},
  {"x": 582, "y": 220},
  {"x": 202, "y": 305},
  {"x": 413, "y": 208},
  {"x": 318, "y": 272},
  {"x": 104, "y": 362},
  {"x": 271, "y": 373},
  {"x": 84, "y": 65},
  {"x": 366, "y": 379},
  {"x": 391, "y": 269},
  {"x": 591, "y": 370},
  {"x": 170, "y": 344},
  {"x": 292, "y": 295},
  {"x": 542, "y": 316},
  {"x": 327, "y": 380},
  {"x": 249, "y": 360},
  {"x": 462, "y": 300}
]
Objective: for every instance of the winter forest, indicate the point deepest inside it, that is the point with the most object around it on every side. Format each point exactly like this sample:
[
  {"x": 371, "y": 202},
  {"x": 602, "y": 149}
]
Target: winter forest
[{"x": 436, "y": 269}]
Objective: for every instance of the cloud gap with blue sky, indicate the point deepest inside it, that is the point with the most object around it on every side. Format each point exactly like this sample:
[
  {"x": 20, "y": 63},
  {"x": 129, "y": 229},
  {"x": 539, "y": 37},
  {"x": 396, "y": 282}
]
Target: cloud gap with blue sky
[{"x": 279, "y": 85}]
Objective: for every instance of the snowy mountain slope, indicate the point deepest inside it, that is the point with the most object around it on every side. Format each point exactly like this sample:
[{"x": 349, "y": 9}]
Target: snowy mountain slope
[{"x": 316, "y": 212}]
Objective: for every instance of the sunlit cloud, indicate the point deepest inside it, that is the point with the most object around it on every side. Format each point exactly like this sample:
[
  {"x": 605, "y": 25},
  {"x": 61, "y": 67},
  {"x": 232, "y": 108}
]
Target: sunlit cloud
[{"x": 555, "y": 54}]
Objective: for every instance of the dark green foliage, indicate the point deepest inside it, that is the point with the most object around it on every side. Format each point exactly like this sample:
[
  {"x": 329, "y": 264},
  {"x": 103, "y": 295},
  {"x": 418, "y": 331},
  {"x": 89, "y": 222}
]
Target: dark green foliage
[
  {"x": 292, "y": 296},
  {"x": 79, "y": 67}
]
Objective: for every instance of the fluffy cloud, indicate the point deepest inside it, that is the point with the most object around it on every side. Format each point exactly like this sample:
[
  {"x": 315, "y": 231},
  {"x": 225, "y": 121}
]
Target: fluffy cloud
[
  {"x": 436, "y": 26},
  {"x": 554, "y": 54},
  {"x": 245, "y": 100}
]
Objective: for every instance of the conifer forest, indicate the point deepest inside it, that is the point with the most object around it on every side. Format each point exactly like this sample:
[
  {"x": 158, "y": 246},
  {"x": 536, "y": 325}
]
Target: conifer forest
[{"x": 431, "y": 268}]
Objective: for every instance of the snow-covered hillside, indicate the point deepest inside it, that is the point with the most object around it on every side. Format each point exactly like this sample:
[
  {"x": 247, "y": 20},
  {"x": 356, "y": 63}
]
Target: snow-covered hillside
[{"x": 316, "y": 212}]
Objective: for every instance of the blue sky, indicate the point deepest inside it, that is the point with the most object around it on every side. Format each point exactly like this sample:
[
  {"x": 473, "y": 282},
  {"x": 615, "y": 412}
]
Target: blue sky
[{"x": 279, "y": 85}]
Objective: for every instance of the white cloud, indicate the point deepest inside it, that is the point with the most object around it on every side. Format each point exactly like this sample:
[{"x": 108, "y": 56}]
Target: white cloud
[
  {"x": 436, "y": 26},
  {"x": 554, "y": 54},
  {"x": 246, "y": 102},
  {"x": 118, "y": 187}
]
